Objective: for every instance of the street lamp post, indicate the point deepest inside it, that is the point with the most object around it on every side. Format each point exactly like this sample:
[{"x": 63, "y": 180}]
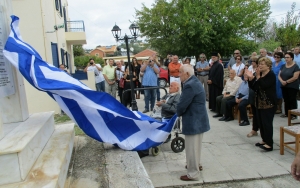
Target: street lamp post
[{"x": 134, "y": 29}]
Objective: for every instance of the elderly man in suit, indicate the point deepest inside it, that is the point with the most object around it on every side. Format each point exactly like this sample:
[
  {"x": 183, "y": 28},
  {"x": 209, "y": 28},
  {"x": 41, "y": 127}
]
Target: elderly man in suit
[{"x": 194, "y": 120}]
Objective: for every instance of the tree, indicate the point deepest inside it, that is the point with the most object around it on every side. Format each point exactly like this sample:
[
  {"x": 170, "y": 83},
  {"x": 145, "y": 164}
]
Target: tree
[
  {"x": 78, "y": 50},
  {"x": 82, "y": 61},
  {"x": 270, "y": 45},
  {"x": 137, "y": 46},
  {"x": 288, "y": 31},
  {"x": 189, "y": 27}
]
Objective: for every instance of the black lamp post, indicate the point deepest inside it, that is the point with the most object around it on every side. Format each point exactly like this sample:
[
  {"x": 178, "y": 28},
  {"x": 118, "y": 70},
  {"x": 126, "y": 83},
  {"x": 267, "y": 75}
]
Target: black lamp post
[{"x": 134, "y": 29}]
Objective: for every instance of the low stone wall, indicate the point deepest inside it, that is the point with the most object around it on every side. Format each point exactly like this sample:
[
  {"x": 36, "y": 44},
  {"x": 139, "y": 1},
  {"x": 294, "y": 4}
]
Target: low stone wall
[{"x": 125, "y": 169}]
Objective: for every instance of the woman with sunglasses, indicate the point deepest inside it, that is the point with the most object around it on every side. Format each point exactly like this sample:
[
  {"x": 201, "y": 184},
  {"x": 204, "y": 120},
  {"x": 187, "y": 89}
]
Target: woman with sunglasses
[
  {"x": 288, "y": 77},
  {"x": 238, "y": 66},
  {"x": 277, "y": 64}
]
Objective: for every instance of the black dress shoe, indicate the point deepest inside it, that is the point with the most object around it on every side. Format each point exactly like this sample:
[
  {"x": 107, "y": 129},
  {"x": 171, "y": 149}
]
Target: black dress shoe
[
  {"x": 244, "y": 123},
  {"x": 217, "y": 115},
  {"x": 259, "y": 144},
  {"x": 265, "y": 148},
  {"x": 222, "y": 118},
  {"x": 229, "y": 119}
]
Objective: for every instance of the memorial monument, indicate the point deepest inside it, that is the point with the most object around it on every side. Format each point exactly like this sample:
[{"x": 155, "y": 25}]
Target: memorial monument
[{"x": 33, "y": 152}]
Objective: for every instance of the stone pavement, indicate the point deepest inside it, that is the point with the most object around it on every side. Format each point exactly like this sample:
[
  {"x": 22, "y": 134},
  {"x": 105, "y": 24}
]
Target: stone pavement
[{"x": 228, "y": 155}]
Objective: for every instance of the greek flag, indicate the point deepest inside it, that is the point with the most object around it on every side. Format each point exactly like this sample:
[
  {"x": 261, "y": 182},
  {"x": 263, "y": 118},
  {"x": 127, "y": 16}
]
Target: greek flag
[{"x": 98, "y": 114}]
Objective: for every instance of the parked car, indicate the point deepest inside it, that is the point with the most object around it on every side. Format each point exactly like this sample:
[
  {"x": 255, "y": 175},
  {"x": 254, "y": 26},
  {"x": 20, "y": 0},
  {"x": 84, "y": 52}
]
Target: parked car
[{"x": 163, "y": 77}]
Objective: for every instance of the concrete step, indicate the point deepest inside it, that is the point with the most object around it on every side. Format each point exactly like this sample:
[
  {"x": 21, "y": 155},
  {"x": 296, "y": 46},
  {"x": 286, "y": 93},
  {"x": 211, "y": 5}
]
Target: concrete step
[
  {"x": 22, "y": 145},
  {"x": 51, "y": 167}
]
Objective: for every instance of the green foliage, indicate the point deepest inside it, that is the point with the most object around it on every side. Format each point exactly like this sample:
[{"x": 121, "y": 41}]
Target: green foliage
[
  {"x": 270, "y": 45},
  {"x": 288, "y": 31},
  {"x": 82, "y": 61},
  {"x": 78, "y": 50},
  {"x": 189, "y": 27},
  {"x": 137, "y": 46}
]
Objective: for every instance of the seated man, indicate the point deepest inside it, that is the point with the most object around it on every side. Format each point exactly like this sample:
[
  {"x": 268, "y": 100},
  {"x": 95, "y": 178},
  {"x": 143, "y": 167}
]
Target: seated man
[
  {"x": 241, "y": 98},
  {"x": 168, "y": 106},
  {"x": 169, "y": 101},
  {"x": 229, "y": 91}
]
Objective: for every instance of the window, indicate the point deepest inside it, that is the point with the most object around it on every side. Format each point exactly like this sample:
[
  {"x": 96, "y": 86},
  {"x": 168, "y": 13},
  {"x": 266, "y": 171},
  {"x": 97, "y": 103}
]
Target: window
[
  {"x": 62, "y": 54},
  {"x": 57, "y": 5},
  {"x": 60, "y": 9},
  {"x": 97, "y": 54},
  {"x": 54, "y": 54}
]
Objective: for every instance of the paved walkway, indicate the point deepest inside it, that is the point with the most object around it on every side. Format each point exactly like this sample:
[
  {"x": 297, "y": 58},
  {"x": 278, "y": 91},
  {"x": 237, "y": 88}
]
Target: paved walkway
[{"x": 227, "y": 155}]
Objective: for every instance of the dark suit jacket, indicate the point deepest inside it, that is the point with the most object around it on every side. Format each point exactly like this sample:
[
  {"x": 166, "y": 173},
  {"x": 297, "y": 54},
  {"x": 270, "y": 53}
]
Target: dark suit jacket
[
  {"x": 169, "y": 109},
  {"x": 192, "y": 108}
]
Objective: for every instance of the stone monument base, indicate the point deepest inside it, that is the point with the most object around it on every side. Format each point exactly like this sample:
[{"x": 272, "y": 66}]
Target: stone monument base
[{"x": 35, "y": 153}]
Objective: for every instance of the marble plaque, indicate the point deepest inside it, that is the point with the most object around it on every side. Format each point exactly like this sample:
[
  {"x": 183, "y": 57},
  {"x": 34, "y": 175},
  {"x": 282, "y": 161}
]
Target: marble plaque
[{"x": 7, "y": 86}]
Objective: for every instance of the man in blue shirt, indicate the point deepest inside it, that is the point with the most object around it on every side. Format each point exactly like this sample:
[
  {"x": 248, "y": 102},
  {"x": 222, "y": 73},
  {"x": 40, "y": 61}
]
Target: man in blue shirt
[
  {"x": 202, "y": 72},
  {"x": 149, "y": 70},
  {"x": 241, "y": 98},
  {"x": 297, "y": 55}
]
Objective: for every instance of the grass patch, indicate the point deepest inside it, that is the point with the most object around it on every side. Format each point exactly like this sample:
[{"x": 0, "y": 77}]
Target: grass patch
[
  {"x": 61, "y": 118},
  {"x": 78, "y": 131}
]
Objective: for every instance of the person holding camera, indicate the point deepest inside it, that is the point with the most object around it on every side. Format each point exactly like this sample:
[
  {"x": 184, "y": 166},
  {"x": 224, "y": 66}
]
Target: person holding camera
[
  {"x": 109, "y": 73},
  {"x": 99, "y": 78},
  {"x": 149, "y": 71}
]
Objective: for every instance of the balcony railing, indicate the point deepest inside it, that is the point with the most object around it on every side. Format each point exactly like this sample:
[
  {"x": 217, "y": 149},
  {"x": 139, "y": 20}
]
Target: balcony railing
[{"x": 74, "y": 26}]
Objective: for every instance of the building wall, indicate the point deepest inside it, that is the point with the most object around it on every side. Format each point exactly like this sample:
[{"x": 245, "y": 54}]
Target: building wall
[
  {"x": 37, "y": 21},
  {"x": 99, "y": 52}
]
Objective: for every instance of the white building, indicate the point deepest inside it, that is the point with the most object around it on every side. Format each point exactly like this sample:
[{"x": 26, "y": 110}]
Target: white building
[{"x": 45, "y": 25}]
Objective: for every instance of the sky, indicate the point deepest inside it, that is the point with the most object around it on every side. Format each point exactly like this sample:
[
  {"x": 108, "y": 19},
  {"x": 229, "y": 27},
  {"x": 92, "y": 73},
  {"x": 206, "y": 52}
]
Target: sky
[{"x": 100, "y": 16}]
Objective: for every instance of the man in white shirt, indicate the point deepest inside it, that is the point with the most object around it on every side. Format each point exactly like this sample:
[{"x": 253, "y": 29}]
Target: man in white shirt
[
  {"x": 297, "y": 55},
  {"x": 229, "y": 92},
  {"x": 99, "y": 79}
]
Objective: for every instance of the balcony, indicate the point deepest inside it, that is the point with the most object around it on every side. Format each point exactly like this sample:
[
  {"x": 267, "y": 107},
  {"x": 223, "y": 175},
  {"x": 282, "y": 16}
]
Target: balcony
[{"x": 75, "y": 32}]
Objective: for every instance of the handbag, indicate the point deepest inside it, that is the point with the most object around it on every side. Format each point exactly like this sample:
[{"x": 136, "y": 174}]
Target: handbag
[{"x": 121, "y": 83}]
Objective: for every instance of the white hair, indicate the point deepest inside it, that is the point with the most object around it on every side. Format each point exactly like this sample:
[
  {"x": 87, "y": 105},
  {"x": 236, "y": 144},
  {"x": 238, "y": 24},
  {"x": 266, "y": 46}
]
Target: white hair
[
  {"x": 188, "y": 68},
  {"x": 263, "y": 49}
]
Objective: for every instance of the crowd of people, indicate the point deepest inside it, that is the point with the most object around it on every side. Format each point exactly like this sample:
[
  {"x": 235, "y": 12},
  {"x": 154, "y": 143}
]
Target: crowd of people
[{"x": 264, "y": 81}]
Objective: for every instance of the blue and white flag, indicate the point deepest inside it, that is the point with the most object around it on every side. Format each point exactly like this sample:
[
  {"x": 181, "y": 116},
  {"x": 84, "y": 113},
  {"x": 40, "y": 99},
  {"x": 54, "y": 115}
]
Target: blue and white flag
[{"x": 98, "y": 114}]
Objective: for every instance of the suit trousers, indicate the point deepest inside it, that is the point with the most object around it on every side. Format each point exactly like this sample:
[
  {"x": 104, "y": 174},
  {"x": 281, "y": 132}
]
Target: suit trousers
[
  {"x": 221, "y": 104},
  {"x": 193, "y": 144},
  {"x": 242, "y": 108},
  {"x": 203, "y": 80}
]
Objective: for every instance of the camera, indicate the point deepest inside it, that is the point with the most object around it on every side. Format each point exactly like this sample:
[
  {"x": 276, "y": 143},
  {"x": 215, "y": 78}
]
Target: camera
[
  {"x": 91, "y": 63},
  {"x": 118, "y": 69}
]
